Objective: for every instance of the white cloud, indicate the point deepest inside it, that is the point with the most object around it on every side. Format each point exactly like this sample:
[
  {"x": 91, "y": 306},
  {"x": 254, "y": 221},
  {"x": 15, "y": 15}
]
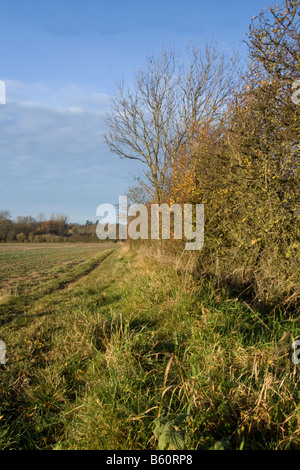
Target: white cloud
[
  {"x": 52, "y": 149},
  {"x": 56, "y": 95}
]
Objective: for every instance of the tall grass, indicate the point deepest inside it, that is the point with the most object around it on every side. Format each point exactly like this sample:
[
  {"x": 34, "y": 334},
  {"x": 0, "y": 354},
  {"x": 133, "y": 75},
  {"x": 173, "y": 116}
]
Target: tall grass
[{"x": 94, "y": 365}]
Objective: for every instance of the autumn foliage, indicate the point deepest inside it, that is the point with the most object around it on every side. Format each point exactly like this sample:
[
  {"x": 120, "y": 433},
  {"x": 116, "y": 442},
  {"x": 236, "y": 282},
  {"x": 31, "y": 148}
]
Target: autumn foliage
[
  {"x": 245, "y": 169},
  {"x": 243, "y": 164}
]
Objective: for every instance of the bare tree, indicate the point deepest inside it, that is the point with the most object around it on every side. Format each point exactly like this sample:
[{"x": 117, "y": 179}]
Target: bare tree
[
  {"x": 5, "y": 215},
  {"x": 150, "y": 122}
]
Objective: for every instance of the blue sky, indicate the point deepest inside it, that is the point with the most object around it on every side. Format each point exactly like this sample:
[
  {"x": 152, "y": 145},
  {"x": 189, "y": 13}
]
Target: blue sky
[{"x": 60, "y": 60}]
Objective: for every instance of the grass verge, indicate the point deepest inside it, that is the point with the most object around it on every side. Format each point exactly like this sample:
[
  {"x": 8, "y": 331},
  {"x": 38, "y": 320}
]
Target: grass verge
[{"x": 93, "y": 365}]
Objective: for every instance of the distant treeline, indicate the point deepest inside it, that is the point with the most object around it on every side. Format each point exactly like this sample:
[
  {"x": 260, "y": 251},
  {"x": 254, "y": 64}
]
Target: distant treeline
[{"x": 56, "y": 229}]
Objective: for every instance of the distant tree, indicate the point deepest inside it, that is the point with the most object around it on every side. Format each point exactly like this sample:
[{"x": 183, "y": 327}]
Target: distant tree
[
  {"x": 40, "y": 217},
  {"x": 5, "y": 225},
  {"x": 5, "y": 215},
  {"x": 138, "y": 194},
  {"x": 21, "y": 237},
  {"x": 24, "y": 225}
]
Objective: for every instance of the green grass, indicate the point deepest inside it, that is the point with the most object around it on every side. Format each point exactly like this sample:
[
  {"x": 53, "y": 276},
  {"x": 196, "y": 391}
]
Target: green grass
[{"x": 121, "y": 340}]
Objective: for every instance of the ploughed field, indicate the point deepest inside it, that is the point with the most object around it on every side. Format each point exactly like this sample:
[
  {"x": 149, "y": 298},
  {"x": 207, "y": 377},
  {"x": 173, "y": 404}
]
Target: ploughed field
[{"x": 25, "y": 267}]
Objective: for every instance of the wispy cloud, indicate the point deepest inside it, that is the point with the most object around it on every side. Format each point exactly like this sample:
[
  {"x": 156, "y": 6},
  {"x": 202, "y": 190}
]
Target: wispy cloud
[
  {"x": 57, "y": 95},
  {"x": 52, "y": 147}
]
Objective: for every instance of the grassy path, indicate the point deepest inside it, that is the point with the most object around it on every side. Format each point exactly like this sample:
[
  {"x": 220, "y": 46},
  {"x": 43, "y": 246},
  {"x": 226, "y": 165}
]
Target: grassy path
[{"x": 91, "y": 364}]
